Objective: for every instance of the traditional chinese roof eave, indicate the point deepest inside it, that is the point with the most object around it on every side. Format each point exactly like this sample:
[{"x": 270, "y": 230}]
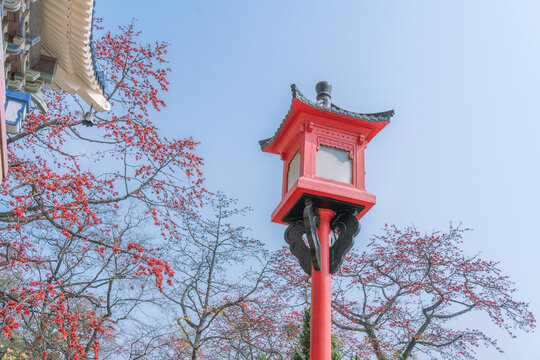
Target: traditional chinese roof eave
[
  {"x": 381, "y": 117},
  {"x": 66, "y": 35}
]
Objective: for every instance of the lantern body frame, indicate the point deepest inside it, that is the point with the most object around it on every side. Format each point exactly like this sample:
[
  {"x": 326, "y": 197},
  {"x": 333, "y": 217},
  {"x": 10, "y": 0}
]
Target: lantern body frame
[{"x": 304, "y": 130}]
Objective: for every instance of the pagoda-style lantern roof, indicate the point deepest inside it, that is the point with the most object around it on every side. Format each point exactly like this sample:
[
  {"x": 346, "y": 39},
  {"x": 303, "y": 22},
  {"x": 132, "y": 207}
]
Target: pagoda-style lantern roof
[
  {"x": 322, "y": 146},
  {"x": 376, "y": 121}
]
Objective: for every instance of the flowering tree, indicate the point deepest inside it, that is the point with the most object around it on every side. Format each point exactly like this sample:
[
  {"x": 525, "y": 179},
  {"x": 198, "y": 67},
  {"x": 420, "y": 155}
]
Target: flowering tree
[
  {"x": 81, "y": 206},
  {"x": 265, "y": 328},
  {"x": 403, "y": 295},
  {"x": 220, "y": 271},
  {"x": 414, "y": 286}
]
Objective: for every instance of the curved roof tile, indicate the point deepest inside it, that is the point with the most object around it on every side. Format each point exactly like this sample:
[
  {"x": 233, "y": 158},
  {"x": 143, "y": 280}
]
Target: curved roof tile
[{"x": 67, "y": 36}]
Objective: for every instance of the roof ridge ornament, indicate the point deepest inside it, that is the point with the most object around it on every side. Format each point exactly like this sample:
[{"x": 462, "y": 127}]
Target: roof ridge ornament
[{"x": 324, "y": 94}]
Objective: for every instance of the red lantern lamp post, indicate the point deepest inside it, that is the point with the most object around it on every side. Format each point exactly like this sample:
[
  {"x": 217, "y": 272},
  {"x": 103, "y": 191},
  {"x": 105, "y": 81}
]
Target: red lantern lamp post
[{"x": 322, "y": 148}]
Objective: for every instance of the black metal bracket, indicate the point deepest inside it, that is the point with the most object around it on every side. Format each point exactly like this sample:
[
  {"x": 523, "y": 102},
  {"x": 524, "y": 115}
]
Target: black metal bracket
[
  {"x": 344, "y": 226},
  {"x": 293, "y": 237},
  {"x": 311, "y": 223},
  {"x": 306, "y": 255}
]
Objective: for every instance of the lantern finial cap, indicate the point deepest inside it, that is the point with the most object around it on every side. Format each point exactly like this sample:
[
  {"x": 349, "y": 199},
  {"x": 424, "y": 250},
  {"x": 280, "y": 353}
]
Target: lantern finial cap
[{"x": 324, "y": 92}]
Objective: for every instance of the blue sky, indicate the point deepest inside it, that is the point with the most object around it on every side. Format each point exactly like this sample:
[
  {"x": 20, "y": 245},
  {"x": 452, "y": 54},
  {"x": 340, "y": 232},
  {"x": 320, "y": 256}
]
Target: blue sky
[{"x": 462, "y": 76}]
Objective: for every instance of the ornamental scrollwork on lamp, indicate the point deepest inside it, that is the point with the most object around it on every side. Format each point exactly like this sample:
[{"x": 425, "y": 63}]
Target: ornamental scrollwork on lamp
[{"x": 344, "y": 227}]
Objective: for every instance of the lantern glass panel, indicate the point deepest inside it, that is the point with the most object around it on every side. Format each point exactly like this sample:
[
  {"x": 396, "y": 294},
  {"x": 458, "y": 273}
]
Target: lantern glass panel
[
  {"x": 334, "y": 164},
  {"x": 293, "y": 173}
]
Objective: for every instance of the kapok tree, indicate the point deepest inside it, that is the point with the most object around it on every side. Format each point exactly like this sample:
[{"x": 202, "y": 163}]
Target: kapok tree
[
  {"x": 402, "y": 296},
  {"x": 263, "y": 328},
  {"x": 220, "y": 271},
  {"x": 406, "y": 291},
  {"x": 80, "y": 206}
]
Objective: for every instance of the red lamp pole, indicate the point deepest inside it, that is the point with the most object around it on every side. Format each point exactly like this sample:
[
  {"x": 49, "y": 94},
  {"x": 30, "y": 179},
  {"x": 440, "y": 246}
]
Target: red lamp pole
[{"x": 320, "y": 338}]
